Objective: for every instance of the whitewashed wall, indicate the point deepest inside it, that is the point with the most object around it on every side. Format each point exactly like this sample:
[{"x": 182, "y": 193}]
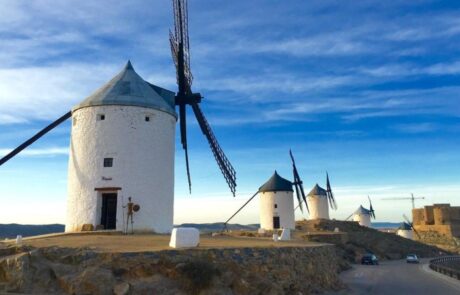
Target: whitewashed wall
[
  {"x": 143, "y": 165},
  {"x": 285, "y": 209},
  {"x": 408, "y": 234},
  {"x": 318, "y": 207},
  {"x": 363, "y": 219}
]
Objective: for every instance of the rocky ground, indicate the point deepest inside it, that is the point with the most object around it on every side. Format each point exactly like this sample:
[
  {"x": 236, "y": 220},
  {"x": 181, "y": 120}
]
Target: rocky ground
[
  {"x": 290, "y": 270},
  {"x": 250, "y": 263},
  {"x": 354, "y": 240}
]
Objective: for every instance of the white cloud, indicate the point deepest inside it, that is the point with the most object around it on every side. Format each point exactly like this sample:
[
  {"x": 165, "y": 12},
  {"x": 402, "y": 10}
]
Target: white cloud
[
  {"x": 31, "y": 152},
  {"x": 33, "y": 93}
]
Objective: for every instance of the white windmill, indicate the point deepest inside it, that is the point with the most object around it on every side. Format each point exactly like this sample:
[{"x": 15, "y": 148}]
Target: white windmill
[
  {"x": 363, "y": 216},
  {"x": 319, "y": 200},
  {"x": 276, "y": 204},
  {"x": 407, "y": 230},
  {"x": 276, "y": 201},
  {"x": 122, "y": 145}
]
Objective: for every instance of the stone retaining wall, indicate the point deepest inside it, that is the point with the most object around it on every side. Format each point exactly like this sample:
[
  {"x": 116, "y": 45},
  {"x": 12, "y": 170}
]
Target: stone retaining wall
[{"x": 287, "y": 270}]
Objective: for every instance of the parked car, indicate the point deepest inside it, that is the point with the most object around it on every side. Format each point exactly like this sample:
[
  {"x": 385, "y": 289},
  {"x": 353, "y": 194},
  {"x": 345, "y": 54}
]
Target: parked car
[
  {"x": 369, "y": 259},
  {"x": 412, "y": 258}
]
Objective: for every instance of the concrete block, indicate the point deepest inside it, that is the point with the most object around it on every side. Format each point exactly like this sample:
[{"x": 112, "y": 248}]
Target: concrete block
[
  {"x": 184, "y": 237},
  {"x": 285, "y": 234}
]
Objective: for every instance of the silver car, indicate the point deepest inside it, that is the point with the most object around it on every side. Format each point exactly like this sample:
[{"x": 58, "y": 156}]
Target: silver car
[{"x": 412, "y": 258}]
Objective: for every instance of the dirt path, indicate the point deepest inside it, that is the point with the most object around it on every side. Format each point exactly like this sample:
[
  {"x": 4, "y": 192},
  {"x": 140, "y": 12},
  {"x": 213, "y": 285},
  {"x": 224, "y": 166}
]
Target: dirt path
[{"x": 142, "y": 243}]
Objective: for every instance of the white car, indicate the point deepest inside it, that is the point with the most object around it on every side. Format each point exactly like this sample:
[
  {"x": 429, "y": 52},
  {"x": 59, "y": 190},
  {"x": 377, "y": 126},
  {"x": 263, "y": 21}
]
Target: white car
[{"x": 412, "y": 258}]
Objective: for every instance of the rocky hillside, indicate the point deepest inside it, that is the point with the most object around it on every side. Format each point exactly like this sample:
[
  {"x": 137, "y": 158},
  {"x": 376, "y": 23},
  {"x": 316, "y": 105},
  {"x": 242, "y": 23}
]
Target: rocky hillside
[
  {"x": 292, "y": 270},
  {"x": 447, "y": 243},
  {"x": 354, "y": 240}
]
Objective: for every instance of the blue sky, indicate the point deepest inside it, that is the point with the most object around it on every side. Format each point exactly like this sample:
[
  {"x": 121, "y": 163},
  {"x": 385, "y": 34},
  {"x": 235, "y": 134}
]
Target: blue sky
[{"x": 368, "y": 91}]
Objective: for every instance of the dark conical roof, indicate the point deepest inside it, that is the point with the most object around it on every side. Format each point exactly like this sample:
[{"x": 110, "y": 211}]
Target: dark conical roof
[
  {"x": 129, "y": 89},
  {"x": 276, "y": 184},
  {"x": 317, "y": 191},
  {"x": 405, "y": 226}
]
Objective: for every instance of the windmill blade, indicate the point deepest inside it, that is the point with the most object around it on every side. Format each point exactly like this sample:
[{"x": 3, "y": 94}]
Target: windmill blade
[
  {"x": 180, "y": 45},
  {"x": 416, "y": 232},
  {"x": 35, "y": 138},
  {"x": 224, "y": 164},
  {"x": 183, "y": 138},
  {"x": 329, "y": 193},
  {"x": 371, "y": 209},
  {"x": 298, "y": 184},
  {"x": 302, "y": 192},
  {"x": 297, "y": 193},
  {"x": 407, "y": 219},
  {"x": 349, "y": 217}
]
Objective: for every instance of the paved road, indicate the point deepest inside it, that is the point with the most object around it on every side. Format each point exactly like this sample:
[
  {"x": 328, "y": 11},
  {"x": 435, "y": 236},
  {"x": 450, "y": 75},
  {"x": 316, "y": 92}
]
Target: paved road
[{"x": 397, "y": 277}]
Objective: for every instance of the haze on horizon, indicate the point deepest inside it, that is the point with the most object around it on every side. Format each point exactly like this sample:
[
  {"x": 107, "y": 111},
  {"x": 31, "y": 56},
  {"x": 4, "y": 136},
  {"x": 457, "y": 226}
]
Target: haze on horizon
[{"x": 366, "y": 91}]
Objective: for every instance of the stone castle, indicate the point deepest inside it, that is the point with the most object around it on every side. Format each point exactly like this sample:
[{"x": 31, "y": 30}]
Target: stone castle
[{"x": 440, "y": 218}]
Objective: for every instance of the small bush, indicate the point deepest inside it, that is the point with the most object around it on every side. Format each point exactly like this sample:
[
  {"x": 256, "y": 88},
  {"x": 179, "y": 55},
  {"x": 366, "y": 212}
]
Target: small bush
[{"x": 198, "y": 275}]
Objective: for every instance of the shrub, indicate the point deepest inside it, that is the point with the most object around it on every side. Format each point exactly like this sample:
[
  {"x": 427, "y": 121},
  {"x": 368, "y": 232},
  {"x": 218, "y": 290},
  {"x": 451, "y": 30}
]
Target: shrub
[{"x": 198, "y": 275}]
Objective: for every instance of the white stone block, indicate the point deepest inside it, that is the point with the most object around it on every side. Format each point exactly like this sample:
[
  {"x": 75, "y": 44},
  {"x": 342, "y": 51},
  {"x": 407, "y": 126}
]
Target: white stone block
[
  {"x": 18, "y": 240},
  {"x": 275, "y": 237},
  {"x": 285, "y": 235},
  {"x": 183, "y": 237}
]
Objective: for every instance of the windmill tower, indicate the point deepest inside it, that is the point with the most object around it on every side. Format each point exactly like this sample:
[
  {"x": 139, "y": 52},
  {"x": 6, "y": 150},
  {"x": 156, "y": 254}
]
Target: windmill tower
[
  {"x": 363, "y": 216},
  {"x": 276, "y": 204},
  {"x": 122, "y": 144},
  {"x": 319, "y": 200},
  {"x": 405, "y": 231}
]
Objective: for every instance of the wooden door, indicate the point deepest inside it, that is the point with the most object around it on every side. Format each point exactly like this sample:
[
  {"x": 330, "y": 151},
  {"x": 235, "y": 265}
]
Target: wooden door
[
  {"x": 109, "y": 211},
  {"x": 276, "y": 222}
]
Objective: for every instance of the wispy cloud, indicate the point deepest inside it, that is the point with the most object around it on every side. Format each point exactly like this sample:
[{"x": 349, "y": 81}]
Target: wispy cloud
[
  {"x": 417, "y": 128},
  {"x": 31, "y": 152}
]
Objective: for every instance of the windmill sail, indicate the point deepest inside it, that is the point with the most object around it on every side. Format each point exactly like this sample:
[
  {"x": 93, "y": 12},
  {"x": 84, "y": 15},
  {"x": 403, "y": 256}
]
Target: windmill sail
[
  {"x": 180, "y": 50},
  {"x": 330, "y": 195},
  {"x": 371, "y": 209},
  {"x": 224, "y": 164},
  {"x": 411, "y": 224},
  {"x": 298, "y": 184},
  {"x": 35, "y": 138}
]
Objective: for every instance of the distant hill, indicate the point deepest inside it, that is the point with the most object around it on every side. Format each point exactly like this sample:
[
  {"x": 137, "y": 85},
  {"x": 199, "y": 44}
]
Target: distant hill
[
  {"x": 13, "y": 229},
  {"x": 26, "y": 230}
]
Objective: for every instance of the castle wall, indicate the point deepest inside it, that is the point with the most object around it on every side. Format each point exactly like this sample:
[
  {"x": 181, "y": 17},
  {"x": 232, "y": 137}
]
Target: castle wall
[
  {"x": 428, "y": 215},
  {"x": 418, "y": 216}
]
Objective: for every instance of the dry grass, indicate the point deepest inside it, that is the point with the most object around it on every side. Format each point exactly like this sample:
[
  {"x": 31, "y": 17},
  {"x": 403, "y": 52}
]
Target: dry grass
[{"x": 142, "y": 243}]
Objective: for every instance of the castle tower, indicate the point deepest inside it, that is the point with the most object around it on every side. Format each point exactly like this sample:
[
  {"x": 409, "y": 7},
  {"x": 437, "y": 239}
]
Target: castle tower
[
  {"x": 362, "y": 216},
  {"x": 122, "y": 145},
  {"x": 318, "y": 203},
  {"x": 276, "y": 204}
]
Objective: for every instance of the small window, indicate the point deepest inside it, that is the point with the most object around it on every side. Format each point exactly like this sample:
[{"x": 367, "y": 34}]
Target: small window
[
  {"x": 147, "y": 118},
  {"x": 276, "y": 206},
  {"x": 108, "y": 162},
  {"x": 100, "y": 117}
]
